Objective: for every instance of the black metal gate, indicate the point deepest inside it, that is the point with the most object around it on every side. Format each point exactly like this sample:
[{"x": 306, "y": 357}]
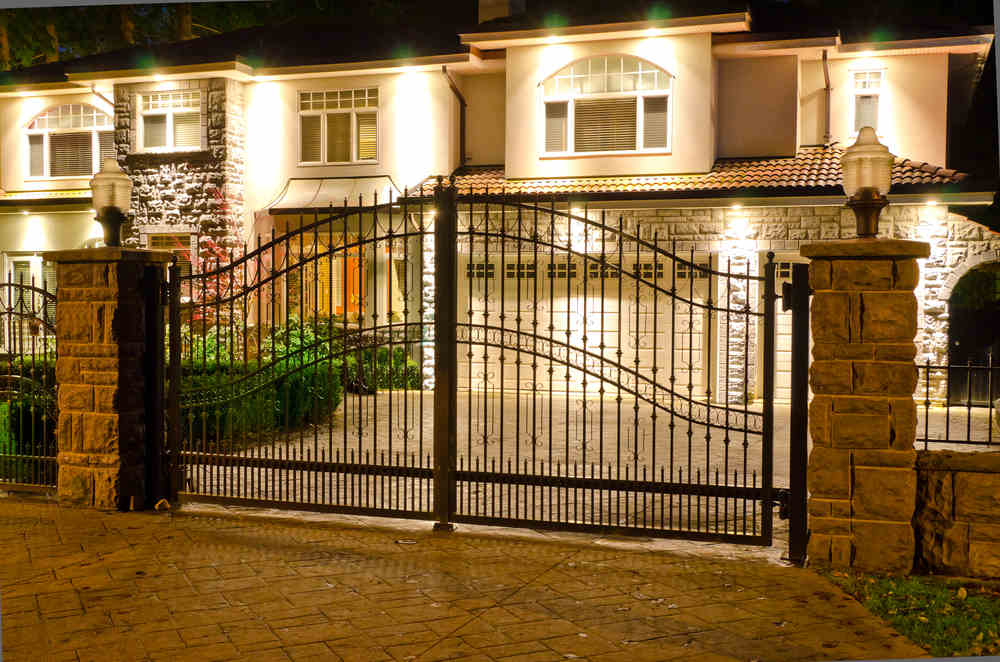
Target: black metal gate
[
  {"x": 480, "y": 359},
  {"x": 28, "y": 407}
]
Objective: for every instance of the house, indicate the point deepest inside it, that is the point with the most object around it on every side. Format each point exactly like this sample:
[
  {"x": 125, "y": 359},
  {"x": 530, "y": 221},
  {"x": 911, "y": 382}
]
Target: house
[{"x": 719, "y": 140}]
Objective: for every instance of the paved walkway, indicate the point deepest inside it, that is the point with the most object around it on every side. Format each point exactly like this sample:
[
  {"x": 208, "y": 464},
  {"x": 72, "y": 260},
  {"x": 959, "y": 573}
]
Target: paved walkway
[{"x": 218, "y": 584}]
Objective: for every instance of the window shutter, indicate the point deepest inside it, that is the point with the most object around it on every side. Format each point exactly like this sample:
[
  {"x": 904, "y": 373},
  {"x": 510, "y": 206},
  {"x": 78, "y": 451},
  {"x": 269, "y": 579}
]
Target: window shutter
[
  {"x": 865, "y": 111},
  {"x": 654, "y": 122},
  {"x": 36, "y": 149},
  {"x": 604, "y": 124},
  {"x": 367, "y": 136},
  {"x": 338, "y": 137},
  {"x": 70, "y": 154},
  {"x": 187, "y": 130},
  {"x": 311, "y": 138},
  {"x": 154, "y": 131},
  {"x": 106, "y": 139},
  {"x": 555, "y": 126}
]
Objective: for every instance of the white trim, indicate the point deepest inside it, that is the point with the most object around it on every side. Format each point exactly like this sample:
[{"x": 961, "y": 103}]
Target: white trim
[
  {"x": 353, "y": 111},
  {"x": 169, "y": 147}
]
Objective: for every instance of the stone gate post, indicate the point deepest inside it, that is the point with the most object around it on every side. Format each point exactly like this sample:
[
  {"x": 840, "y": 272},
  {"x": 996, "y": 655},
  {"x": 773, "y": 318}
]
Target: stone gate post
[
  {"x": 862, "y": 420},
  {"x": 104, "y": 297}
]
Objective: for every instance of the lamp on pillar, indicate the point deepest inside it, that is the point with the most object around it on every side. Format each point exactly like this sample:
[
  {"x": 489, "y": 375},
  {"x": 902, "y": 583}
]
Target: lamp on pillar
[
  {"x": 867, "y": 168},
  {"x": 112, "y": 193}
]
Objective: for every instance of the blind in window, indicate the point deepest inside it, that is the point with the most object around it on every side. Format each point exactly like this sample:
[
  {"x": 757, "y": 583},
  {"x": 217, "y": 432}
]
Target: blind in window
[
  {"x": 654, "y": 122},
  {"x": 367, "y": 138},
  {"x": 338, "y": 137},
  {"x": 604, "y": 124},
  {"x": 154, "y": 131},
  {"x": 555, "y": 126},
  {"x": 311, "y": 138},
  {"x": 36, "y": 150},
  {"x": 22, "y": 272},
  {"x": 106, "y": 140},
  {"x": 70, "y": 154},
  {"x": 187, "y": 130},
  {"x": 865, "y": 111},
  {"x": 49, "y": 274}
]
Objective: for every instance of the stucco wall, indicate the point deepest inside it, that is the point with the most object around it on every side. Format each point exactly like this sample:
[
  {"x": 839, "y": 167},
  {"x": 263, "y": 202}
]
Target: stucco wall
[
  {"x": 485, "y": 115},
  {"x": 757, "y": 106},
  {"x": 417, "y": 131},
  {"x": 15, "y": 114},
  {"x": 912, "y": 110},
  {"x": 688, "y": 58},
  {"x": 44, "y": 231}
]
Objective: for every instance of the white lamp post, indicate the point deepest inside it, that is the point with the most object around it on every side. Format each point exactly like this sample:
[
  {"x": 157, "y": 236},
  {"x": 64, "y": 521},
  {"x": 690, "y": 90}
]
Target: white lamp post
[
  {"x": 112, "y": 194},
  {"x": 867, "y": 170}
]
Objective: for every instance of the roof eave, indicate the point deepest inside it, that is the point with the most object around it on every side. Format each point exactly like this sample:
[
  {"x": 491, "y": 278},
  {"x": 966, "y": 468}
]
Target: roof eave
[{"x": 730, "y": 22}]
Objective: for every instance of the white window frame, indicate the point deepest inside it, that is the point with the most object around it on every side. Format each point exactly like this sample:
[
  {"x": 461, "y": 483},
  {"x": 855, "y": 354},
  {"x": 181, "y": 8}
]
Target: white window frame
[
  {"x": 855, "y": 93},
  {"x": 95, "y": 147},
  {"x": 169, "y": 112},
  {"x": 353, "y": 112},
  {"x": 639, "y": 95}
]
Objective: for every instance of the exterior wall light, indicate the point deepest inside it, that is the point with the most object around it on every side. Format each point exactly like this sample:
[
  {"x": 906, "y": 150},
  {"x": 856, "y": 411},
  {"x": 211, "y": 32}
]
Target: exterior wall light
[
  {"x": 867, "y": 168},
  {"x": 112, "y": 193}
]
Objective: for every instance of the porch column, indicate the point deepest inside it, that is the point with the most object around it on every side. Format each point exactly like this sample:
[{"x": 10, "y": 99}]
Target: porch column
[
  {"x": 862, "y": 420},
  {"x": 106, "y": 369}
]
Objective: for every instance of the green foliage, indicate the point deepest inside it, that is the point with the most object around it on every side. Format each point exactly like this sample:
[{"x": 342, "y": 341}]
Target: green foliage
[
  {"x": 946, "y": 617},
  {"x": 360, "y": 371}
]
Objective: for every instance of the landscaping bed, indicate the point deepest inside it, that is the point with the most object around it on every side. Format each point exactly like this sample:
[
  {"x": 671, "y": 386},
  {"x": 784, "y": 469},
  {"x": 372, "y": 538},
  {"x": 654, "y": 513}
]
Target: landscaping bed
[{"x": 945, "y": 616}]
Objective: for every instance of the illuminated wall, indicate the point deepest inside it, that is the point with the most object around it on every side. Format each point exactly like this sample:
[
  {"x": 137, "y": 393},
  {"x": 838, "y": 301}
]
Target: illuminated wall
[
  {"x": 912, "y": 109},
  {"x": 417, "y": 131},
  {"x": 688, "y": 58},
  {"x": 15, "y": 114}
]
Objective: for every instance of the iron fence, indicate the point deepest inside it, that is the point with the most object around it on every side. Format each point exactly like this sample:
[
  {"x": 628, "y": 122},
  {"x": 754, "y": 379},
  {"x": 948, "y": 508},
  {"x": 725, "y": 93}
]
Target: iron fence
[
  {"x": 957, "y": 404},
  {"x": 28, "y": 406}
]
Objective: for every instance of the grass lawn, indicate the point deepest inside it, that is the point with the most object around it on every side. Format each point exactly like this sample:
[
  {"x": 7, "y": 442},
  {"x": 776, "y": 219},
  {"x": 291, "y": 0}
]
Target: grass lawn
[{"x": 945, "y": 616}]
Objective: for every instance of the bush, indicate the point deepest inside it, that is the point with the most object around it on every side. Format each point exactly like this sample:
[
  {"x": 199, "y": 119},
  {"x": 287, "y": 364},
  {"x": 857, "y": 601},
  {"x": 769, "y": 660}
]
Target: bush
[
  {"x": 27, "y": 428},
  {"x": 359, "y": 371}
]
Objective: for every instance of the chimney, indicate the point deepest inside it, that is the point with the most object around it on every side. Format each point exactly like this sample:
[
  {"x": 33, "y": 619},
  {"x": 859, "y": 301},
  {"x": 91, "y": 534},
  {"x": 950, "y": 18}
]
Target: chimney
[{"x": 490, "y": 9}]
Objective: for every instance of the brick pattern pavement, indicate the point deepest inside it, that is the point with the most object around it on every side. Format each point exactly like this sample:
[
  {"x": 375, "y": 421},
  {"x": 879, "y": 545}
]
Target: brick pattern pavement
[{"x": 83, "y": 585}]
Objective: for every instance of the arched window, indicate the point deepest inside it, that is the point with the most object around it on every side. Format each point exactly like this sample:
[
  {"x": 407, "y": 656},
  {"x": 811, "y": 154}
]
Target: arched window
[
  {"x": 69, "y": 141},
  {"x": 607, "y": 103}
]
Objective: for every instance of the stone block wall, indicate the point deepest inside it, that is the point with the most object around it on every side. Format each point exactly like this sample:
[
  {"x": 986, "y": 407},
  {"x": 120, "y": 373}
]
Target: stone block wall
[
  {"x": 101, "y": 339},
  {"x": 194, "y": 191},
  {"x": 862, "y": 419},
  {"x": 957, "y": 521}
]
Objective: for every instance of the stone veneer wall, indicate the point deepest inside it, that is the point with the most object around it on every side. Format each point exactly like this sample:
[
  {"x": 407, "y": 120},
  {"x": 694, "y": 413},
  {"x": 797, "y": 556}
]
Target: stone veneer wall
[
  {"x": 957, "y": 523},
  {"x": 196, "y": 191}
]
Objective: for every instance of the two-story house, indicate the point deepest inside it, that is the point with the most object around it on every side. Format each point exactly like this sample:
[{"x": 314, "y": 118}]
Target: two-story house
[{"x": 719, "y": 140}]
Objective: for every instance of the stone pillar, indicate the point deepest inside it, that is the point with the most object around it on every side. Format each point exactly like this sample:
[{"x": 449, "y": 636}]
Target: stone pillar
[
  {"x": 862, "y": 420},
  {"x": 101, "y": 342}
]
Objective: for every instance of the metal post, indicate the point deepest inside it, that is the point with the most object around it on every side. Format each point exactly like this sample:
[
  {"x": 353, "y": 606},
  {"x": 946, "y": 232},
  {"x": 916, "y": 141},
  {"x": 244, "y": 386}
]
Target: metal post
[
  {"x": 798, "y": 530},
  {"x": 155, "y": 476},
  {"x": 768, "y": 413},
  {"x": 445, "y": 354},
  {"x": 174, "y": 423}
]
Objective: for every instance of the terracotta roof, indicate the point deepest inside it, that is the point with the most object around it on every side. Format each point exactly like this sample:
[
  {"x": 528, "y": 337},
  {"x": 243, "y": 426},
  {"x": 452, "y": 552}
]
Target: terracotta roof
[{"x": 813, "y": 171}]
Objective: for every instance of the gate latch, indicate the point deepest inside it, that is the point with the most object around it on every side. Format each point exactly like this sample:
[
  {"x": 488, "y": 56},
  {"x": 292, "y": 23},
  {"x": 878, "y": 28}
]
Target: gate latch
[{"x": 782, "y": 499}]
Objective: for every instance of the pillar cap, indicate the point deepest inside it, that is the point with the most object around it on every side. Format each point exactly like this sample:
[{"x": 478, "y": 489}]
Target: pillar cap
[
  {"x": 109, "y": 254},
  {"x": 866, "y": 248}
]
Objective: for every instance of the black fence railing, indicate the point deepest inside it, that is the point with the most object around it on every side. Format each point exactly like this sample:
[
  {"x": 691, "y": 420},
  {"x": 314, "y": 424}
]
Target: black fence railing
[
  {"x": 956, "y": 404},
  {"x": 28, "y": 411}
]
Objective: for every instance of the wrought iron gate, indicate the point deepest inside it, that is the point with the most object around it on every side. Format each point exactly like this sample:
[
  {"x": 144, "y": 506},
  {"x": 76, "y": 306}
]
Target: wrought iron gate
[{"x": 582, "y": 372}]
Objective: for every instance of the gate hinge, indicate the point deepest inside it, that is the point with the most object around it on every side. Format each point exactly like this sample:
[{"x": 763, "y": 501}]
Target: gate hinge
[{"x": 782, "y": 499}]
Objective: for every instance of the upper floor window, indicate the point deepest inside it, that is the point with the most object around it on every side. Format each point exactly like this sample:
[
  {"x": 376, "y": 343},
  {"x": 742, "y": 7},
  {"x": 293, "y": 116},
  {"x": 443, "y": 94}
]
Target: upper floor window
[
  {"x": 170, "y": 121},
  {"x": 69, "y": 141},
  {"x": 867, "y": 90},
  {"x": 607, "y": 103},
  {"x": 338, "y": 126}
]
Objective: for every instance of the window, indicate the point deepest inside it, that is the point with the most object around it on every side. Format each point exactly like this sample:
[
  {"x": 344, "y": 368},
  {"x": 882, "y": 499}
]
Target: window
[
  {"x": 605, "y": 271},
  {"x": 170, "y": 121},
  {"x": 647, "y": 270},
  {"x": 562, "y": 270},
  {"x": 69, "y": 141},
  {"x": 339, "y": 126},
  {"x": 521, "y": 271},
  {"x": 480, "y": 270},
  {"x": 607, "y": 103},
  {"x": 178, "y": 244},
  {"x": 867, "y": 89},
  {"x": 684, "y": 271}
]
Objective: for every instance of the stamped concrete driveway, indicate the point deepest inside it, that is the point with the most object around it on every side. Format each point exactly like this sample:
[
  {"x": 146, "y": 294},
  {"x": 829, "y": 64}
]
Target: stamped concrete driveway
[{"x": 219, "y": 584}]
